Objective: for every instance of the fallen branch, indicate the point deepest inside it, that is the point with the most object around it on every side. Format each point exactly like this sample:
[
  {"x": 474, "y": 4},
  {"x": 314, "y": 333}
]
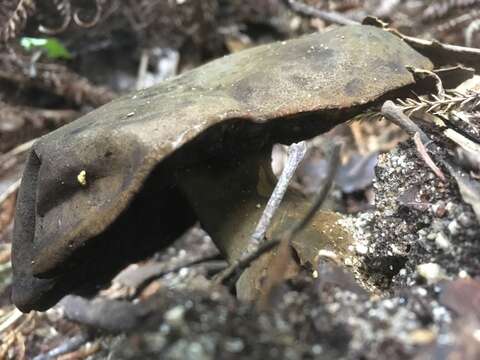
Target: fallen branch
[{"x": 442, "y": 54}]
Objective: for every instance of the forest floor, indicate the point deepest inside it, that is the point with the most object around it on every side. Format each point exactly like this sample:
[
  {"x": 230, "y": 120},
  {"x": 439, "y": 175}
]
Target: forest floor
[{"x": 408, "y": 285}]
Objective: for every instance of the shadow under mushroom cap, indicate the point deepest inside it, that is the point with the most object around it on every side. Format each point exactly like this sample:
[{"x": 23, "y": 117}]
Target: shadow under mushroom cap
[{"x": 98, "y": 193}]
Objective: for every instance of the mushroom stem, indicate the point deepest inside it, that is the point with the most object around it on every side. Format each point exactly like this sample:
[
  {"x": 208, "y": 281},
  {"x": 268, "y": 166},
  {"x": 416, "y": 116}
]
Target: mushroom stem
[{"x": 228, "y": 198}]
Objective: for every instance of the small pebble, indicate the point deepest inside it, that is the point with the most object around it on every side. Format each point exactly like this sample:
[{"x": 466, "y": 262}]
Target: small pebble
[
  {"x": 454, "y": 227},
  {"x": 442, "y": 241},
  {"x": 431, "y": 272},
  {"x": 175, "y": 316},
  {"x": 465, "y": 220},
  {"x": 361, "y": 249},
  {"x": 234, "y": 345},
  {"x": 422, "y": 336}
]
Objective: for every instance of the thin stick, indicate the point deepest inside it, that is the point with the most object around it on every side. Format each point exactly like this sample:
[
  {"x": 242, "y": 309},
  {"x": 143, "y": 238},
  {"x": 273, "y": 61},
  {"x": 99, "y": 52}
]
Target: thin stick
[
  {"x": 18, "y": 150},
  {"x": 296, "y": 153},
  {"x": 322, "y": 194},
  {"x": 66, "y": 347},
  {"x": 9, "y": 191},
  {"x": 395, "y": 114},
  {"x": 428, "y": 160},
  {"x": 142, "y": 70},
  {"x": 10, "y": 319},
  {"x": 147, "y": 281},
  {"x": 277, "y": 269},
  {"x": 310, "y": 11},
  {"x": 230, "y": 276}
]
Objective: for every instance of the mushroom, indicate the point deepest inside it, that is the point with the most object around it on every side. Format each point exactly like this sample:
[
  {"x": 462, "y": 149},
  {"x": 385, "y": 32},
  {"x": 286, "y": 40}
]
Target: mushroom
[{"x": 128, "y": 178}]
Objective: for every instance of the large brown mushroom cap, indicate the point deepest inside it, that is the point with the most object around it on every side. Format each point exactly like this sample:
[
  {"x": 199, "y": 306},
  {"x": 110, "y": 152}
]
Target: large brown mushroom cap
[{"x": 98, "y": 192}]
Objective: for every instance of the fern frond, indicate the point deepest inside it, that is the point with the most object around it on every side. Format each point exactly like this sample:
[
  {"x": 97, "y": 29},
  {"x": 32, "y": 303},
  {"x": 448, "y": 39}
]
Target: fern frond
[
  {"x": 432, "y": 104},
  {"x": 13, "y": 17}
]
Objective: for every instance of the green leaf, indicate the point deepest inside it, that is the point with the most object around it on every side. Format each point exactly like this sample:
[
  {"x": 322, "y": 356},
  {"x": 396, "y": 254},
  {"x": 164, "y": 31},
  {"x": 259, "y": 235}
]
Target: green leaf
[{"x": 53, "y": 48}]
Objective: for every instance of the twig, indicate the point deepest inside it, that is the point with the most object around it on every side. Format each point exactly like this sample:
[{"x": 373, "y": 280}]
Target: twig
[
  {"x": 386, "y": 8},
  {"x": 310, "y": 11},
  {"x": 278, "y": 267},
  {"x": 105, "y": 314},
  {"x": 8, "y": 338},
  {"x": 470, "y": 31},
  {"x": 394, "y": 113},
  {"x": 422, "y": 74},
  {"x": 428, "y": 160},
  {"x": 296, "y": 153},
  {"x": 147, "y": 281},
  {"x": 9, "y": 191},
  {"x": 469, "y": 188},
  {"x": 322, "y": 194},
  {"x": 68, "y": 346},
  {"x": 142, "y": 70},
  {"x": 467, "y": 56},
  {"x": 11, "y": 319},
  {"x": 230, "y": 276},
  {"x": 18, "y": 150}
]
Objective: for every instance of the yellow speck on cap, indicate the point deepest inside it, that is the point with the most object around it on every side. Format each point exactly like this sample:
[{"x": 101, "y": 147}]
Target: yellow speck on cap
[{"x": 82, "y": 178}]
